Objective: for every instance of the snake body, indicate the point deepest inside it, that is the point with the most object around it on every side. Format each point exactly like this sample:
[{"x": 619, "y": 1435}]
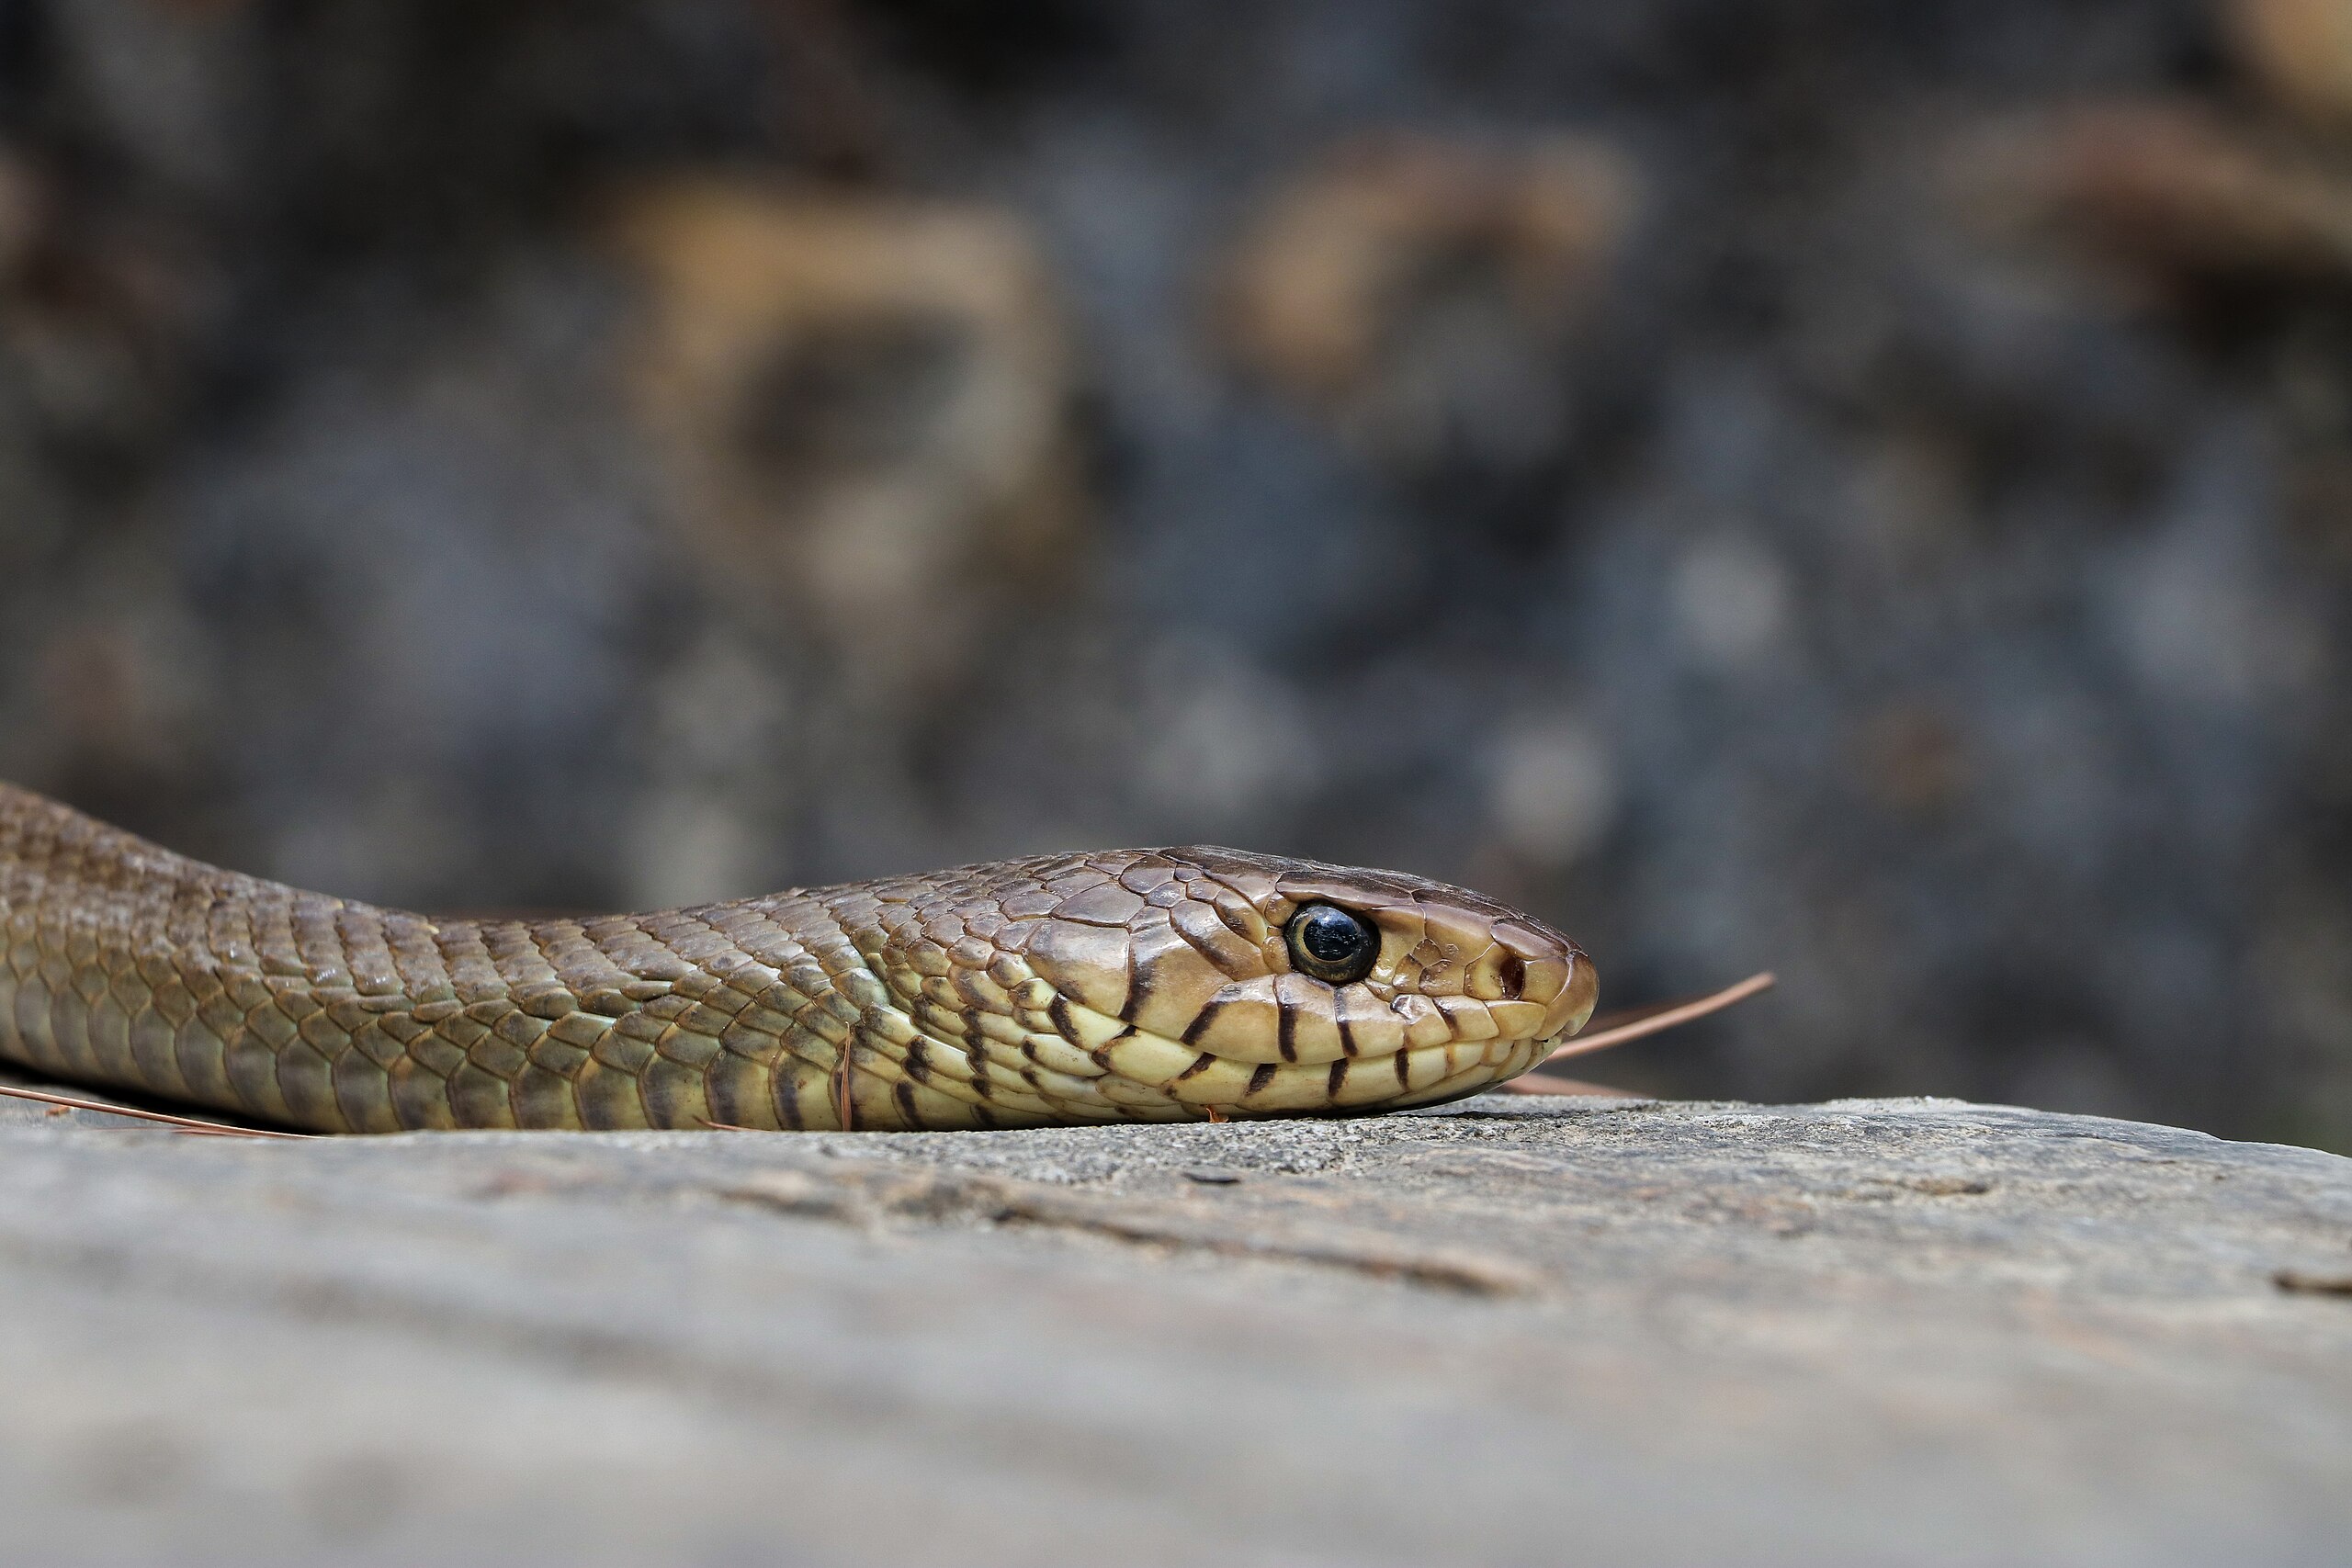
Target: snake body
[{"x": 1134, "y": 985}]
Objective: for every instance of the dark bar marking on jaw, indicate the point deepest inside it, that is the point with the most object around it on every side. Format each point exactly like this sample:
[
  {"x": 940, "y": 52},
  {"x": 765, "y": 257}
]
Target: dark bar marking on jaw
[
  {"x": 1139, "y": 988},
  {"x": 1200, "y": 1023}
]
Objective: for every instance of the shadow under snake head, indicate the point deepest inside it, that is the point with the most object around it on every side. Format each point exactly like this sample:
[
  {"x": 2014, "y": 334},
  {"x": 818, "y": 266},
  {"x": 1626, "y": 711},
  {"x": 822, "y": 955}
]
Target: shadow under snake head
[{"x": 1181, "y": 983}]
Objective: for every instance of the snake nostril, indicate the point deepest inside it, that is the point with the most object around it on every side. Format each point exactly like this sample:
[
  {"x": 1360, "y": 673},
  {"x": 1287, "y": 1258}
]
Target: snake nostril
[{"x": 1512, "y": 975}]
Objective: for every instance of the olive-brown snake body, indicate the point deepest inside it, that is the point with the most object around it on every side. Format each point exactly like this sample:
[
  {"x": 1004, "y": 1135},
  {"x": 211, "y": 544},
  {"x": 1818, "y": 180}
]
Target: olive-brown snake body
[{"x": 1136, "y": 985}]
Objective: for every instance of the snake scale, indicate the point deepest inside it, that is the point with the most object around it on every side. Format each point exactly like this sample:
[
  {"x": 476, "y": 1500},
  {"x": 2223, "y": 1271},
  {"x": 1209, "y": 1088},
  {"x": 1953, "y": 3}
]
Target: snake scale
[{"x": 1131, "y": 986}]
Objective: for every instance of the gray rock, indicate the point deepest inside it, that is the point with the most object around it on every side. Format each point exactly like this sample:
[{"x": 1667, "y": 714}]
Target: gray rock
[{"x": 1515, "y": 1331}]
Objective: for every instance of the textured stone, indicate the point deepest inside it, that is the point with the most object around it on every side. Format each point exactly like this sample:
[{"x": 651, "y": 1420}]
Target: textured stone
[{"x": 1512, "y": 1331}]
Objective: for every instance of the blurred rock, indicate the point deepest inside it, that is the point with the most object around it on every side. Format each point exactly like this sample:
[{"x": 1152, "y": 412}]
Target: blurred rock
[
  {"x": 722, "y": 789},
  {"x": 168, "y": 81},
  {"x": 1555, "y": 791},
  {"x": 2300, "y": 51},
  {"x": 1731, "y": 598},
  {"x": 24, "y": 202},
  {"x": 129, "y": 690},
  {"x": 867, "y": 402},
  {"x": 2171, "y": 192},
  {"x": 1913, "y": 758},
  {"x": 30, "y": 505},
  {"x": 1221, "y": 741},
  {"x": 427, "y": 572},
  {"x": 101, "y": 313},
  {"x": 1419, "y": 291}
]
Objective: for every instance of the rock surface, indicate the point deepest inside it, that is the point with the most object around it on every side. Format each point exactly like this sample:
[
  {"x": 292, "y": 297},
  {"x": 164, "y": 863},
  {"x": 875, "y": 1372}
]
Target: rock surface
[{"x": 1514, "y": 1331}]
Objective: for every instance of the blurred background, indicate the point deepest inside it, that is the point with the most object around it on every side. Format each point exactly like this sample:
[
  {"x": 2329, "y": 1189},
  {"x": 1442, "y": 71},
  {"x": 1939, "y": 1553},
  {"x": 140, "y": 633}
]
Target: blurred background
[{"x": 1856, "y": 487}]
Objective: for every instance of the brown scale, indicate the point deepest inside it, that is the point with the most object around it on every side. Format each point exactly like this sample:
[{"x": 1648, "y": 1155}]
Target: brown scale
[{"x": 1140, "y": 985}]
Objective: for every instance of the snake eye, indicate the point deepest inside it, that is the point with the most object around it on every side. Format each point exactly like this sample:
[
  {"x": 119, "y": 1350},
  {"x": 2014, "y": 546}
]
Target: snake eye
[{"x": 1331, "y": 944}]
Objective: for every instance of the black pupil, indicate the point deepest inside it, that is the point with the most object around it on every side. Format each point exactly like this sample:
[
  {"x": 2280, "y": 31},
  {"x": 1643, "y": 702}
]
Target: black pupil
[{"x": 1332, "y": 936}]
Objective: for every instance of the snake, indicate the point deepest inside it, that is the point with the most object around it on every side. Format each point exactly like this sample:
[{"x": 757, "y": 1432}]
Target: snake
[{"x": 1156, "y": 985}]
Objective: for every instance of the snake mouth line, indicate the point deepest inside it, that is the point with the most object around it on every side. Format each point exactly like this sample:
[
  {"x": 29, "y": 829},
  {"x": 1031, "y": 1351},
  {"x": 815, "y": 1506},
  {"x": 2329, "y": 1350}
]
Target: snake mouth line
[
  {"x": 1148, "y": 1076},
  {"x": 1398, "y": 1077}
]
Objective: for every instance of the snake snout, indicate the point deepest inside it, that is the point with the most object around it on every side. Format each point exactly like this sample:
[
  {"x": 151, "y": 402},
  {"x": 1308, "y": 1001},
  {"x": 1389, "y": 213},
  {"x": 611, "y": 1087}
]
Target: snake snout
[{"x": 1551, "y": 972}]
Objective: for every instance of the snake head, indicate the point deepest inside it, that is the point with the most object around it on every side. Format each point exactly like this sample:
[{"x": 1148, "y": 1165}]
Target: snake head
[{"x": 1168, "y": 984}]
